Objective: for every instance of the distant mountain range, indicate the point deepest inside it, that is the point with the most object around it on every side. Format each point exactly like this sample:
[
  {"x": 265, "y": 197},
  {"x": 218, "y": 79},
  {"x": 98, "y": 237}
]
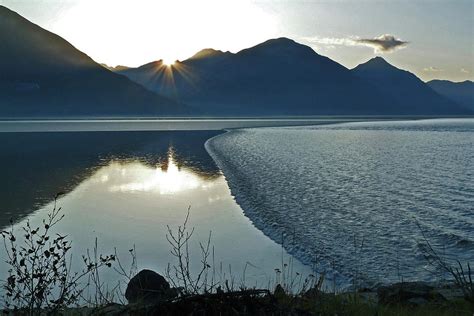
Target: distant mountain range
[
  {"x": 43, "y": 75},
  {"x": 282, "y": 77},
  {"x": 460, "y": 92},
  {"x": 277, "y": 77},
  {"x": 404, "y": 88}
]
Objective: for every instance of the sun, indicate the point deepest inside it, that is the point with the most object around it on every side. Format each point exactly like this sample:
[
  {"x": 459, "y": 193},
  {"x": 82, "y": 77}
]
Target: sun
[{"x": 168, "y": 62}]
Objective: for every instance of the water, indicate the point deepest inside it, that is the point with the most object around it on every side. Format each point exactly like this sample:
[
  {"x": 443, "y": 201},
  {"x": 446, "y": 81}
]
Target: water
[
  {"x": 343, "y": 198},
  {"x": 355, "y": 198},
  {"x": 88, "y": 125},
  {"x": 125, "y": 188}
]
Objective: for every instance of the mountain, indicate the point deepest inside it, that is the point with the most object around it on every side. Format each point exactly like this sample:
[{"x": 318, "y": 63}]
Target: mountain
[
  {"x": 42, "y": 75},
  {"x": 277, "y": 77},
  {"x": 281, "y": 77},
  {"x": 208, "y": 53},
  {"x": 460, "y": 92},
  {"x": 411, "y": 94},
  {"x": 114, "y": 69}
]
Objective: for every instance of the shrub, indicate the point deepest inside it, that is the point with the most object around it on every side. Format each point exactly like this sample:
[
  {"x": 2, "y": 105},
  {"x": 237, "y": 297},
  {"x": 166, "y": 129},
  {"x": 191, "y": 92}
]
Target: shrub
[{"x": 40, "y": 275}]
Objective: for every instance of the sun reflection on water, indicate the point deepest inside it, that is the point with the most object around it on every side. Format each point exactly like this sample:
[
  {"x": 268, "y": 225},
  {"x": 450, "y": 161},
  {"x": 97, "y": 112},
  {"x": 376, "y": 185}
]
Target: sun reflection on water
[{"x": 167, "y": 178}]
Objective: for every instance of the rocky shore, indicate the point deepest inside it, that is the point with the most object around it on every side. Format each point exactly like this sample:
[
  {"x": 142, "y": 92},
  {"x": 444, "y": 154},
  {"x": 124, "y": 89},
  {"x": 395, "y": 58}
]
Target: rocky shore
[{"x": 148, "y": 293}]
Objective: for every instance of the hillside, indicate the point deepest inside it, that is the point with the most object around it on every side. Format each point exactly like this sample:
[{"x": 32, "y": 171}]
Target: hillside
[
  {"x": 403, "y": 87},
  {"x": 460, "y": 92},
  {"x": 42, "y": 75}
]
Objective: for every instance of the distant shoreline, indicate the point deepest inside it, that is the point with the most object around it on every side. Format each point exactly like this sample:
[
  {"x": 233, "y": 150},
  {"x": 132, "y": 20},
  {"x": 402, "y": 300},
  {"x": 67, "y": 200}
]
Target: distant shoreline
[
  {"x": 185, "y": 124},
  {"x": 224, "y": 118}
]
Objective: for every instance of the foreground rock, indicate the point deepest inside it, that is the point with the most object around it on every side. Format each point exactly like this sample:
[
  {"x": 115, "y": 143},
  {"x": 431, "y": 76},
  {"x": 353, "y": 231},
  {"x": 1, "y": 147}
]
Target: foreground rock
[
  {"x": 148, "y": 287},
  {"x": 412, "y": 293}
]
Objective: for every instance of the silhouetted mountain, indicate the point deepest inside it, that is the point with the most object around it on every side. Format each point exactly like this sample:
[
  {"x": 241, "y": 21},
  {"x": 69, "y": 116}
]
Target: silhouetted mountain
[
  {"x": 209, "y": 53},
  {"x": 277, "y": 77},
  {"x": 406, "y": 89},
  {"x": 460, "y": 92},
  {"x": 114, "y": 69},
  {"x": 43, "y": 75}
]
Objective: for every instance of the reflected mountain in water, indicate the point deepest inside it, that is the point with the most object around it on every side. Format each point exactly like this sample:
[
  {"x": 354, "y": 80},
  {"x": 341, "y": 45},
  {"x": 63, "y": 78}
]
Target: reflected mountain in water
[
  {"x": 131, "y": 199},
  {"x": 36, "y": 166}
]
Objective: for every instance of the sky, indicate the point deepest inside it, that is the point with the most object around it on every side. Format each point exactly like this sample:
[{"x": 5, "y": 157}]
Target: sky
[{"x": 431, "y": 38}]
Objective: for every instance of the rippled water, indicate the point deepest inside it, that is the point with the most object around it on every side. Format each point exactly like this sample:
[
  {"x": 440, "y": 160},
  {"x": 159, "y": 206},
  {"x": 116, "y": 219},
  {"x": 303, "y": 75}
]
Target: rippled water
[{"x": 355, "y": 198}]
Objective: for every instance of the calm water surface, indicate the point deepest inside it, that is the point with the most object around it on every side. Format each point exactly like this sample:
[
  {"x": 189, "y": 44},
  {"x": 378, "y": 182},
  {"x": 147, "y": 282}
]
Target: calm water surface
[{"x": 124, "y": 188}]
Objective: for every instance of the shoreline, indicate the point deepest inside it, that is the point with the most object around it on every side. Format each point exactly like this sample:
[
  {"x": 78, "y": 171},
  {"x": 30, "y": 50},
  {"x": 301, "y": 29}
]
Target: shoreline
[
  {"x": 156, "y": 125},
  {"x": 396, "y": 299},
  {"x": 187, "y": 124}
]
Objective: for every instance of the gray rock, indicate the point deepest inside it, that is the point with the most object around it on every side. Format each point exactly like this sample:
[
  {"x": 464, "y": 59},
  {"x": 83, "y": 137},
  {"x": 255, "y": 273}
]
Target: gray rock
[
  {"x": 148, "y": 287},
  {"x": 411, "y": 293}
]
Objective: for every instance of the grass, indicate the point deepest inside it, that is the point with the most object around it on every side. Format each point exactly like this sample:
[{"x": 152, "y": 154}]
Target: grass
[{"x": 261, "y": 302}]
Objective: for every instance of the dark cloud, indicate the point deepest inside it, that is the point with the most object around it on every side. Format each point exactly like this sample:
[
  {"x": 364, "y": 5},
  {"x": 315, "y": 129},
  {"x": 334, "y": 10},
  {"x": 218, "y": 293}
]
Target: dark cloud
[{"x": 383, "y": 43}]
